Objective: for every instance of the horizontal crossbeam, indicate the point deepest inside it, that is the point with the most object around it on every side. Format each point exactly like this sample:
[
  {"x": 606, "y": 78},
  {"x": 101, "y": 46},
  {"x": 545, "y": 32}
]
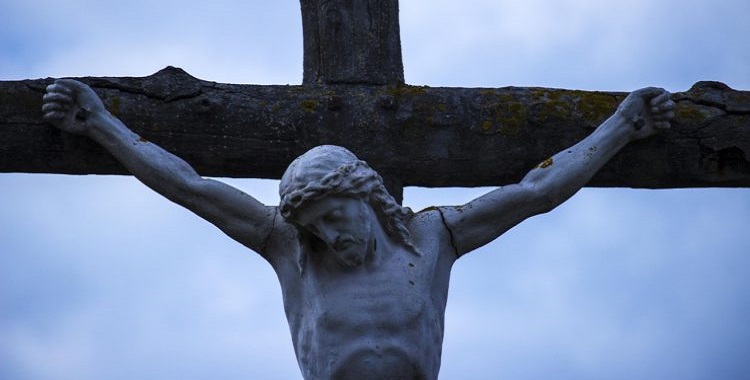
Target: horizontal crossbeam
[{"x": 419, "y": 136}]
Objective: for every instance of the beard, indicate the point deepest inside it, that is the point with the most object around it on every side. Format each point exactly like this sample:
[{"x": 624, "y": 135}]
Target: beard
[{"x": 350, "y": 252}]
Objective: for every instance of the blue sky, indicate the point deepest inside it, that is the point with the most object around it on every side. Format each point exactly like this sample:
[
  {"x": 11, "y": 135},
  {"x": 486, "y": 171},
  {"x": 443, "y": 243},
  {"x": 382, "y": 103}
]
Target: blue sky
[{"x": 102, "y": 279}]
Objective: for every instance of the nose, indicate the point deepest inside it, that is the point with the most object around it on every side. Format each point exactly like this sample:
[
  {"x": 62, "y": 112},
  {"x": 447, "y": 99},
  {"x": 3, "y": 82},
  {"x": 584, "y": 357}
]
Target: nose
[{"x": 327, "y": 234}]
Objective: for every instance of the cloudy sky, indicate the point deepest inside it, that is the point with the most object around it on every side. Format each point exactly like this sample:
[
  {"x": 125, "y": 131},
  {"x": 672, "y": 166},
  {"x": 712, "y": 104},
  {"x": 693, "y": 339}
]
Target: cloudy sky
[{"x": 102, "y": 279}]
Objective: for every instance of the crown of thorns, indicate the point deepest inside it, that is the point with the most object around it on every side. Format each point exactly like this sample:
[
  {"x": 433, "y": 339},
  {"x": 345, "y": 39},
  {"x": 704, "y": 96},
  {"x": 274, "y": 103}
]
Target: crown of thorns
[{"x": 355, "y": 178}]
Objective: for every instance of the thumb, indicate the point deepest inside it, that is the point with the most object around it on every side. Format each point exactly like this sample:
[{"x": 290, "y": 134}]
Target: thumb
[{"x": 649, "y": 93}]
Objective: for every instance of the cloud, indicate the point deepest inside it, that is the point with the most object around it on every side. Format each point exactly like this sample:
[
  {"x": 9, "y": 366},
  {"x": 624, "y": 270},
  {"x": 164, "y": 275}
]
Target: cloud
[
  {"x": 222, "y": 41},
  {"x": 580, "y": 44}
]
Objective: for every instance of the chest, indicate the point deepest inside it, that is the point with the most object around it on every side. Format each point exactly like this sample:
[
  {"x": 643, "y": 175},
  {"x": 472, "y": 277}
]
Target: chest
[{"x": 391, "y": 298}]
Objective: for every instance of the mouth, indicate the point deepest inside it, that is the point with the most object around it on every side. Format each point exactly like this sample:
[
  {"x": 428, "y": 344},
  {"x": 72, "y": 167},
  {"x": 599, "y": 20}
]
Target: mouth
[
  {"x": 340, "y": 245},
  {"x": 348, "y": 253},
  {"x": 352, "y": 261}
]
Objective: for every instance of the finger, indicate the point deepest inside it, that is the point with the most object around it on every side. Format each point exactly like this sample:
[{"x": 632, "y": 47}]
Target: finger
[
  {"x": 668, "y": 105},
  {"x": 54, "y": 116},
  {"x": 662, "y": 125},
  {"x": 664, "y": 116},
  {"x": 57, "y": 97},
  {"x": 663, "y": 107},
  {"x": 47, "y": 107},
  {"x": 661, "y": 98},
  {"x": 59, "y": 88},
  {"x": 650, "y": 92}
]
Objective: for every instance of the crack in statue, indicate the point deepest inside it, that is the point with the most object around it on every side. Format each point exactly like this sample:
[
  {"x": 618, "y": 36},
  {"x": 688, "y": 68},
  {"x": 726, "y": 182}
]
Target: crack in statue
[{"x": 364, "y": 280}]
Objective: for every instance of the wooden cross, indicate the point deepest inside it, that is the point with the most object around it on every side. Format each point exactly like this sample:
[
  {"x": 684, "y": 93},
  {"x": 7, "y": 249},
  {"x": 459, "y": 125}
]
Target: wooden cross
[{"x": 353, "y": 94}]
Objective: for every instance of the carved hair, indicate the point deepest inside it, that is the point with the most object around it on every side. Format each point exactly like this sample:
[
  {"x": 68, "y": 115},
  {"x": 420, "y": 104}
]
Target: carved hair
[{"x": 332, "y": 170}]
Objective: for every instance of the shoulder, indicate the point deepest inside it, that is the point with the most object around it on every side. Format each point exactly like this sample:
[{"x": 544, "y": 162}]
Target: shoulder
[
  {"x": 430, "y": 232},
  {"x": 282, "y": 244},
  {"x": 428, "y": 218}
]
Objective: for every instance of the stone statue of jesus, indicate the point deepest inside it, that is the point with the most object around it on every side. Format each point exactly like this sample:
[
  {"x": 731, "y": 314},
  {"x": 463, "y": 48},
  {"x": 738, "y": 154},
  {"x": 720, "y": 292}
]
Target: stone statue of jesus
[{"x": 364, "y": 280}]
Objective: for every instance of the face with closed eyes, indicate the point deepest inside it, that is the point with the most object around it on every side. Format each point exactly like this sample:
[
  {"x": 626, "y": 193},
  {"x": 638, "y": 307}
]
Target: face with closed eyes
[{"x": 343, "y": 223}]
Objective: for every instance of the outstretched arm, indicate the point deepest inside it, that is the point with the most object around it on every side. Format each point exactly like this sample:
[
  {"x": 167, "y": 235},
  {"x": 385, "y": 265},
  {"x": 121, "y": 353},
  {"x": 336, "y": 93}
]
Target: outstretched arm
[
  {"x": 74, "y": 107},
  {"x": 556, "y": 179}
]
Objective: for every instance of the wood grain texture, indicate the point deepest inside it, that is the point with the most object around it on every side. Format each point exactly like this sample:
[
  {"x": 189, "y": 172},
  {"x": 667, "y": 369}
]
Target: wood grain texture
[{"x": 417, "y": 136}]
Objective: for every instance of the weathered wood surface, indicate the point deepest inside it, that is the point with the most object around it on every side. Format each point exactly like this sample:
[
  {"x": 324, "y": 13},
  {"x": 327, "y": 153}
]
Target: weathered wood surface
[
  {"x": 417, "y": 135},
  {"x": 351, "y": 42}
]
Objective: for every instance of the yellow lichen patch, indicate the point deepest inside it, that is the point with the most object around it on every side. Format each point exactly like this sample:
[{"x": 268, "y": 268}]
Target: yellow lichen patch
[
  {"x": 554, "y": 109},
  {"x": 595, "y": 107},
  {"x": 428, "y": 209},
  {"x": 688, "y": 114},
  {"x": 309, "y": 105},
  {"x": 514, "y": 115},
  {"x": 504, "y": 113},
  {"x": 114, "y": 106},
  {"x": 550, "y": 105},
  {"x": 399, "y": 90},
  {"x": 591, "y": 107},
  {"x": 538, "y": 93},
  {"x": 546, "y": 163},
  {"x": 695, "y": 114},
  {"x": 461, "y": 208}
]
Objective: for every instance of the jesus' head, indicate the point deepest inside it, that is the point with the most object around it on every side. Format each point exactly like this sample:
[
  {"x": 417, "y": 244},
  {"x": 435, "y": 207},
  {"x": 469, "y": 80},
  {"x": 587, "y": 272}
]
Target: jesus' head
[{"x": 334, "y": 198}]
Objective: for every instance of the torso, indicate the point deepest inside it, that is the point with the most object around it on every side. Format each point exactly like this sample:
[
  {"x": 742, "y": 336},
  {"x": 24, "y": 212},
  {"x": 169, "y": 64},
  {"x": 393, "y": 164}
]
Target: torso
[{"x": 374, "y": 322}]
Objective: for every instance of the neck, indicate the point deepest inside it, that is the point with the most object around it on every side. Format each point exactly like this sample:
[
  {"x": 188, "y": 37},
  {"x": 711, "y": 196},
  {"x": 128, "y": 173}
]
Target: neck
[{"x": 381, "y": 247}]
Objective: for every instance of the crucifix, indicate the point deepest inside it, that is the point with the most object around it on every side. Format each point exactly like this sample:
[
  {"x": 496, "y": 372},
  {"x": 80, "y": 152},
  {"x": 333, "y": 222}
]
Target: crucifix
[{"x": 493, "y": 115}]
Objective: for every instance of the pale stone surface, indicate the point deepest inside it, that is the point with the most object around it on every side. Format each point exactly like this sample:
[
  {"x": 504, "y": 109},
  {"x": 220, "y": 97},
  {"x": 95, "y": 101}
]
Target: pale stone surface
[{"x": 364, "y": 280}]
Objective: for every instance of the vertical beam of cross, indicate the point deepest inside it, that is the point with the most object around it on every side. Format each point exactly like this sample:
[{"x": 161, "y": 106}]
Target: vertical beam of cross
[{"x": 353, "y": 42}]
